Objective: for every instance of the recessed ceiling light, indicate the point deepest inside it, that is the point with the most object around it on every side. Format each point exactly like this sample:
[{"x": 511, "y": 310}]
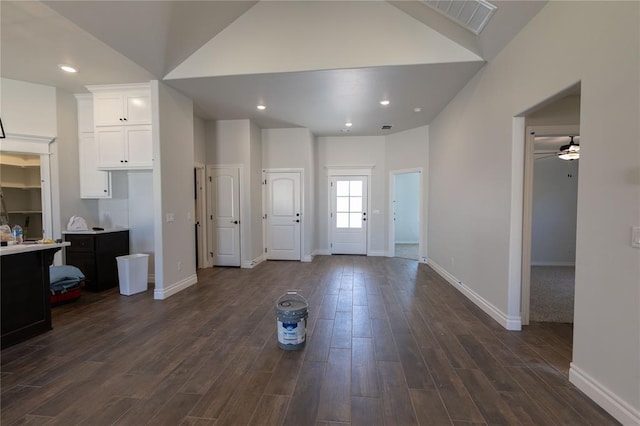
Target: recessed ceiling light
[
  {"x": 261, "y": 107},
  {"x": 385, "y": 102},
  {"x": 417, "y": 109},
  {"x": 67, "y": 68},
  {"x": 348, "y": 124}
]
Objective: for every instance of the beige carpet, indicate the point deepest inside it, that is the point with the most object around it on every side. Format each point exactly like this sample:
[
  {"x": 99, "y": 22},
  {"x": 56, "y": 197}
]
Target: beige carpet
[{"x": 552, "y": 293}]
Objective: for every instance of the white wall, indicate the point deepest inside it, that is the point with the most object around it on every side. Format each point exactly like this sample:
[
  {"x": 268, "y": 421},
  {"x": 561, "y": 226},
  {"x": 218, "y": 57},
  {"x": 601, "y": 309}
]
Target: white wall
[
  {"x": 255, "y": 186},
  {"x": 141, "y": 215},
  {"x": 555, "y": 204},
  {"x": 175, "y": 266},
  {"x": 407, "y": 208},
  {"x": 294, "y": 149},
  {"x": 470, "y": 183},
  {"x": 227, "y": 141},
  {"x": 236, "y": 143},
  {"x": 68, "y": 169},
  {"x": 409, "y": 150},
  {"x": 354, "y": 151},
  {"x": 199, "y": 141},
  {"x": 28, "y": 108},
  {"x": 563, "y": 112}
]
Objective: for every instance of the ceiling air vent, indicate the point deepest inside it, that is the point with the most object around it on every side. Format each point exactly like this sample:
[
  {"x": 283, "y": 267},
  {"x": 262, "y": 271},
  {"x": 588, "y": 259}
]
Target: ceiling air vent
[
  {"x": 471, "y": 14},
  {"x": 386, "y": 127}
]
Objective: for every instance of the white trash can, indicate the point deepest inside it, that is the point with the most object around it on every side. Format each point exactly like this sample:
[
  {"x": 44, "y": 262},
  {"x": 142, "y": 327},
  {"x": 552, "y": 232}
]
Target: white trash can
[{"x": 132, "y": 273}]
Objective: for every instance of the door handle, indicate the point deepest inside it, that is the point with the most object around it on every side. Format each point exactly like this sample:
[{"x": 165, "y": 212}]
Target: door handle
[{"x": 234, "y": 222}]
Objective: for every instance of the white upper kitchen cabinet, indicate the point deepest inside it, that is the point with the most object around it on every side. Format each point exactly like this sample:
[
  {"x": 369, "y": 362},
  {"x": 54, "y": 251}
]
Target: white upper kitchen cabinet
[
  {"x": 94, "y": 183},
  {"x": 117, "y": 105},
  {"x": 122, "y": 123}
]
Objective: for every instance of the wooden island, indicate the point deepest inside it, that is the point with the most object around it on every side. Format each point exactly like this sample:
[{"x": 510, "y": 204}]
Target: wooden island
[{"x": 25, "y": 296}]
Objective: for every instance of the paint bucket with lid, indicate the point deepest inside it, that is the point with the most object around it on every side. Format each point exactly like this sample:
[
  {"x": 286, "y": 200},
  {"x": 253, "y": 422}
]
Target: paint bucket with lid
[{"x": 292, "y": 311}]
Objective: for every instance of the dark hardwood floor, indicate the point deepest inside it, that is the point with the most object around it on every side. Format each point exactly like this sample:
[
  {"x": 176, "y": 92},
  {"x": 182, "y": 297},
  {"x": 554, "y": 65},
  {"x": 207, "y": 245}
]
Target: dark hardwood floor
[{"x": 389, "y": 342}]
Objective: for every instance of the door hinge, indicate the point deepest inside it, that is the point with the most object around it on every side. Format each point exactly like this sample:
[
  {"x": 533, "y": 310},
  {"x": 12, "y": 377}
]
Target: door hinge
[
  {"x": 264, "y": 182},
  {"x": 331, "y": 245},
  {"x": 210, "y": 179},
  {"x": 211, "y": 217},
  {"x": 264, "y": 216},
  {"x": 210, "y": 254},
  {"x": 265, "y": 249}
]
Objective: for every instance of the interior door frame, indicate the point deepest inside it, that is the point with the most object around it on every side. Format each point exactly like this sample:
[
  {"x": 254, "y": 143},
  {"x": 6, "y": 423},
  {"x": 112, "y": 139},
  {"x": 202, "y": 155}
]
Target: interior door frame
[
  {"x": 392, "y": 231},
  {"x": 333, "y": 171},
  {"x": 201, "y": 193},
  {"x": 49, "y": 193},
  {"x": 527, "y": 207},
  {"x": 265, "y": 172},
  {"x": 209, "y": 204}
]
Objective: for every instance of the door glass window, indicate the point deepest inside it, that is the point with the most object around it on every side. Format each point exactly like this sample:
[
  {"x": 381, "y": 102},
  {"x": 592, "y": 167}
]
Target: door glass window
[{"x": 348, "y": 204}]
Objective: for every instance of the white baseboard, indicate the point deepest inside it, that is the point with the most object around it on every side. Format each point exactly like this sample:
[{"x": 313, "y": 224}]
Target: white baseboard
[
  {"x": 377, "y": 253},
  {"x": 610, "y": 402},
  {"x": 253, "y": 263},
  {"x": 508, "y": 322},
  {"x": 552, "y": 263},
  {"x": 308, "y": 258},
  {"x": 163, "y": 293},
  {"x": 407, "y": 242},
  {"x": 321, "y": 252}
]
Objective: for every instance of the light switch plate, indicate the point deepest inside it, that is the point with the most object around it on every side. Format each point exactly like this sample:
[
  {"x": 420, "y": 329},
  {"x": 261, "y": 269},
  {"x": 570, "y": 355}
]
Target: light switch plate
[
  {"x": 635, "y": 236},
  {"x": 171, "y": 217}
]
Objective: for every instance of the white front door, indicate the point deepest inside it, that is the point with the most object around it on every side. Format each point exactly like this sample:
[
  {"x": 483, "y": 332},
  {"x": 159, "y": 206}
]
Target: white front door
[
  {"x": 284, "y": 216},
  {"x": 349, "y": 215},
  {"x": 224, "y": 193}
]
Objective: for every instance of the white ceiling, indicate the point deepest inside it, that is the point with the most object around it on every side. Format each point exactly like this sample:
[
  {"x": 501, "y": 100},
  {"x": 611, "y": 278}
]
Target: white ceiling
[{"x": 354, "y": 61}]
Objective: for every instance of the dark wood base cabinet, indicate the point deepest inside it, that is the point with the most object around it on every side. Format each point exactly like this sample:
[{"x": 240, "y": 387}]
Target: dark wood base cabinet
[
  {"x": 95, "y": 255},
  {"x": 26, "y": 310}
]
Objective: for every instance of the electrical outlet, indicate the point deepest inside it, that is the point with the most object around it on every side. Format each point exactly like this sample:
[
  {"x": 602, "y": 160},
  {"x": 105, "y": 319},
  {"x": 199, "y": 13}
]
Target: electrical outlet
[{"x": 171, "y": 217}]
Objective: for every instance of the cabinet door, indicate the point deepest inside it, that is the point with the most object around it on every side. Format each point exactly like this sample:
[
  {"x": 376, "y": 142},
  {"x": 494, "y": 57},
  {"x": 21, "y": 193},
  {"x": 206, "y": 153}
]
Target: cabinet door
[
  {"x": 93, "y": 182},
  {"x": 110, "y": 147},
  {"x": 139, "y": 147},
  {"x": 108, "y": 110},
  {"x": 137, "y": 109}
]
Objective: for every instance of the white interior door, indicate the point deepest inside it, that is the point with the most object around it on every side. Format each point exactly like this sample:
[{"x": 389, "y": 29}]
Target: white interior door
[
  {"x": 349, "y": 215},
  {"x": 284, "y": 216},
  {"x": 224, "y": 191}
]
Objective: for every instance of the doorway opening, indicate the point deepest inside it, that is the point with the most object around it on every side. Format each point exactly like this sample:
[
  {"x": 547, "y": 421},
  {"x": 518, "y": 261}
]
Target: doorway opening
[
  {"x": 550, "y": 188},
  {"x": 406, "y": 199},
  {"x": 200, "y": 212}
]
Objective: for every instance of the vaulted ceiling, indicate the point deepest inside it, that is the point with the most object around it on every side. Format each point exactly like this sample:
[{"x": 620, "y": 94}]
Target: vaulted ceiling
[{"x": 314, "y": 64}]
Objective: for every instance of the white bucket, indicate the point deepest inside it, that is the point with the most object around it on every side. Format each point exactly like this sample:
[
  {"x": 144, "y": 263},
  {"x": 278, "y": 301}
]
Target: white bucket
[{"x": 292, "y": 311}]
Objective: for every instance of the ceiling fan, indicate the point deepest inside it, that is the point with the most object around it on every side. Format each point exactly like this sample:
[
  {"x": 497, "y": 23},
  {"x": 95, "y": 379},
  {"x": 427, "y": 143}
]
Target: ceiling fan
[{"x": 570, "y": 151}]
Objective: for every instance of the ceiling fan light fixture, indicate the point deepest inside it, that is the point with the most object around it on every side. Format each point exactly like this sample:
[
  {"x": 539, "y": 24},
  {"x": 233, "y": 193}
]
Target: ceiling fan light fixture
[
  {"x": 571, "y": 151},
  {"x": 384, "y": 102},
  {"x": 261, "y": 107},
  {"x": 569, "y": 155}
]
